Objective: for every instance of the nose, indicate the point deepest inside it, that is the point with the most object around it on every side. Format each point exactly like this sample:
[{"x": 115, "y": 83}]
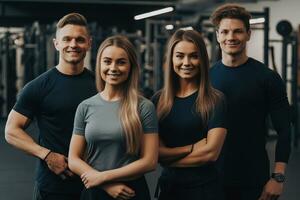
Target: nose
[
  {"x": 230, "y": 35},
  {"x": 186, "y": 61},
  {"x": 113, "y": 67},
  {"x": 73, "y": 43}
]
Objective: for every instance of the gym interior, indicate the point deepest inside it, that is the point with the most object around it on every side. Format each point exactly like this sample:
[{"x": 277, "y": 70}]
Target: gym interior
[{"x": 27, "y": 28}]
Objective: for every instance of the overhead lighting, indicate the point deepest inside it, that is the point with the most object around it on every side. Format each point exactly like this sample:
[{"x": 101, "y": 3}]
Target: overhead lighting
[
  {"x": 153, "y": 13},
  {"x": 169, "y": 27},
  {"x": 257, "y": 20},
  {"x": 187, "y": 28}
]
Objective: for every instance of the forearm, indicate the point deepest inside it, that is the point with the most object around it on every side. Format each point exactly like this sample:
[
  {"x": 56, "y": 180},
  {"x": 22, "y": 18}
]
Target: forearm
[
  {"x": 78, "y": 166},
  {"x": 196, "y": 158},
  {"x": 206, "y": 150},
  {"x": 167, "y": 154},
  {"x": 130, "y": 171},
  {"x": 18, "y": 138}
]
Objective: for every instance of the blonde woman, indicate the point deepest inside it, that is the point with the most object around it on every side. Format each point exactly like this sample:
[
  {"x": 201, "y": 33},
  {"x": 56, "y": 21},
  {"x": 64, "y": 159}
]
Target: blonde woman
[
  {"x": 115, "y": 140},
  {"x": 192, "y": 125}
]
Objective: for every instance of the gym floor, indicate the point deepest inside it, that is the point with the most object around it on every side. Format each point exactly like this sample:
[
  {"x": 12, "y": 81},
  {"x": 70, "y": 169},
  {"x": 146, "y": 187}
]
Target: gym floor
[{"x": 17, "y": 171}]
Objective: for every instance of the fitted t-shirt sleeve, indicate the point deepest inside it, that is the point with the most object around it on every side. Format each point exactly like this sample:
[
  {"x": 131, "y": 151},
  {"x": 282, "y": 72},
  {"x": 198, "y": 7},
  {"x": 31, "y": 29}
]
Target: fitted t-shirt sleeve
[
  {"x": 28, "y": 100},
  {"x": 148, "y": 117},
  {"x": 218, "y": 116},
  {"x": 79, "y": 120}
]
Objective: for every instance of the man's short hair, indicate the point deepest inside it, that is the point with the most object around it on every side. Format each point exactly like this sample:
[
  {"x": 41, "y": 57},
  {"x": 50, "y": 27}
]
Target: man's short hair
[
  {"x": 72, "y": 18},
  {"x": 231, "y": 11}
]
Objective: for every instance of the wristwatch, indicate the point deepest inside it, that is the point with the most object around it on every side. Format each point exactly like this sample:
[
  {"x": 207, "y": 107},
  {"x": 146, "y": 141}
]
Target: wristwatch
[{"x": 278, "y": 177}]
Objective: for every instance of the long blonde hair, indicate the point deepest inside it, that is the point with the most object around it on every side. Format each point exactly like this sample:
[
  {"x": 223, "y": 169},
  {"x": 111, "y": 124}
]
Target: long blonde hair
[
  {"x": 128, "y": 111},
  {"x": 207, "y": 97}
]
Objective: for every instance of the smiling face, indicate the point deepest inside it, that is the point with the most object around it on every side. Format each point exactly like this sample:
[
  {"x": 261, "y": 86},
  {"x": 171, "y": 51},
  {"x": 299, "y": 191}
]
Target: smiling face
[
  {"x": 115, "y": 65},
  {"x": 186, "y": 61},
  {"x": 232, "y": 36},
  {"x": 72, "y": 41}
]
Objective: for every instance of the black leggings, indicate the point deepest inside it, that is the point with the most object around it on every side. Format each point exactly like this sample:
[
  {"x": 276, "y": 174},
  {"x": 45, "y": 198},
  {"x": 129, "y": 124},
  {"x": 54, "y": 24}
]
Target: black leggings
[
  {"x": 191, "y": 191},
  {"x": 139, "y": 186}
]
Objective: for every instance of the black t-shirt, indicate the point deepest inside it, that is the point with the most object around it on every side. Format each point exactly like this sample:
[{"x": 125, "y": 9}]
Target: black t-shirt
[
  {"x": 252, "y": 92},
  {"x": 184, "y": 126},
  {"x": 52, "y": 98}
]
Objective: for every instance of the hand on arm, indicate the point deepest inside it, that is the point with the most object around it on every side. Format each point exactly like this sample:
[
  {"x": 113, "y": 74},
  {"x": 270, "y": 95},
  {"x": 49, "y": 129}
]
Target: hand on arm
[
  {"x": 273, "y": 189},
  {"x": 205, "y": 150},
  {"x": 168, "y": 154}
]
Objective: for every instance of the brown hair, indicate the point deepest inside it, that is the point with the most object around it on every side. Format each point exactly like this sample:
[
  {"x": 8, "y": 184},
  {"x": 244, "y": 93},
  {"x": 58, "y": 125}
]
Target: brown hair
[
  {"x": 72, "y": 18},
  {"x": 128, "y": 111},
  {"x": 207, "y": 97},
  {"x": 231, "y": 11}
]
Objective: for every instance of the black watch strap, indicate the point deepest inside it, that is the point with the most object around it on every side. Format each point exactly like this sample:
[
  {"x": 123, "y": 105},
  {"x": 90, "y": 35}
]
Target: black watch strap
[{"x": 278, "y": 177}]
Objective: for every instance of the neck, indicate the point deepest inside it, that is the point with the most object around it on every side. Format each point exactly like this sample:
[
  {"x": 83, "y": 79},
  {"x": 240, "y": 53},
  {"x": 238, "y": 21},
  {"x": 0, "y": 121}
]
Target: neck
[
  {"x": 234, "y": 60},
  {"x": 70, "y": 69},
  {"x": 111, "y": 93},
  {"x": 186, "y": 87}
]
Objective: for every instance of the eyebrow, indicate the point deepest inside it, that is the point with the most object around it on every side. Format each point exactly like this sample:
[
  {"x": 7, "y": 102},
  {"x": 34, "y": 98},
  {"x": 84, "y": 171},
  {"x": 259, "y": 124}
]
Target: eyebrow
[{"x": 178, "y": 52}]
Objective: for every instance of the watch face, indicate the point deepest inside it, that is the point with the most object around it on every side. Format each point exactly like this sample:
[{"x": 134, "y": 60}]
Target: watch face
[{"x": 278, "y": 177}]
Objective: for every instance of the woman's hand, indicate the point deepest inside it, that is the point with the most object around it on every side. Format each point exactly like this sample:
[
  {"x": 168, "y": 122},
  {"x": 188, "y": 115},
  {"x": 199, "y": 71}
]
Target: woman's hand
[
  {"x": 93, "y": 178},
  {"x": 119, "y": 191}
]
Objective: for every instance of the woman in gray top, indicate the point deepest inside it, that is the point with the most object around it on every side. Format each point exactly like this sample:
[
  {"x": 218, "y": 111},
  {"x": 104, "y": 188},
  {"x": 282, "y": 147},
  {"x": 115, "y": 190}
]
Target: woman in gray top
[{"x": 115, "y": 139}]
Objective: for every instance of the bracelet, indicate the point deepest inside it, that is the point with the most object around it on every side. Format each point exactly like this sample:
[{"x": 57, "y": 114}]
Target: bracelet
[
  {"x": 192, "y": 148},
  {"x": 47, "y": 155}
]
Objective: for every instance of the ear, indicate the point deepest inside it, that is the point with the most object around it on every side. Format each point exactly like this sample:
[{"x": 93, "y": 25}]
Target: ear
[
  {"x": 90, "y": 42},
  {"x": 217, "y": 35},
  {"x": 55, "y": 42},
  {"x": 249, "y": 35}
]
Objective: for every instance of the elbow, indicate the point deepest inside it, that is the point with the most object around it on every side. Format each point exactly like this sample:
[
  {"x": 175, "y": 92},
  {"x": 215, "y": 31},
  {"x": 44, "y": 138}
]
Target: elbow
[
  {"x": 151, "y": 166},
  {"x": 71, "y": 163},
  {"x": 9, "y": 135},
  {"x": 212, "y": 156}
]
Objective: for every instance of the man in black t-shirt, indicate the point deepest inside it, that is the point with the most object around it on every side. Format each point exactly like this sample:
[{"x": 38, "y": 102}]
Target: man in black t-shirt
[
  {"x": 52, "y": 98},
  {"x": 253, "y": 92}
]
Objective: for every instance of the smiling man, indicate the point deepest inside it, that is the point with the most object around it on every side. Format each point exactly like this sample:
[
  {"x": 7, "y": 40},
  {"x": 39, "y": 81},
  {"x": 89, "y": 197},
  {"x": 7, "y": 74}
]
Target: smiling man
[
  {"x": 52, "y": 98},
  {"x": 253, "y": 92}
]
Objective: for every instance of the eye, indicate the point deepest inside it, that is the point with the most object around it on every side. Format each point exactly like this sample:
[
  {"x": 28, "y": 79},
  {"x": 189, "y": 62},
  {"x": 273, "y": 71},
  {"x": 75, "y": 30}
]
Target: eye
[
  {"x": 179, "y": 56},
  {"x": 194, "y": 56},
  {"x": 107, "y": 62},
  {"x": 80, "y": 40}
]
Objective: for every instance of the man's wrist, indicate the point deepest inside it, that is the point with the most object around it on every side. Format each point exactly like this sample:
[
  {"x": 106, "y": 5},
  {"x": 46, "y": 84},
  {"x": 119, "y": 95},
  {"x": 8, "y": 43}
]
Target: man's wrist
[{"x": 278, "y": 177}]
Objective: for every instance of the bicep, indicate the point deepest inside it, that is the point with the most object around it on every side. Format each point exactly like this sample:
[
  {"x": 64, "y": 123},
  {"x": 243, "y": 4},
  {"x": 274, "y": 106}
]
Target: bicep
[
  {"x": 149, "y": 146},
  {"x": 215, "y": 138},
  {"x": 17, "y": 120}
]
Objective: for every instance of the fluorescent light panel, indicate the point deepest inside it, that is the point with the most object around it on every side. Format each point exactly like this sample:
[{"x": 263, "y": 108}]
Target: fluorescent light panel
[
  {"x": 153, "y": 13},
  {"x": 257, "y": 20}
]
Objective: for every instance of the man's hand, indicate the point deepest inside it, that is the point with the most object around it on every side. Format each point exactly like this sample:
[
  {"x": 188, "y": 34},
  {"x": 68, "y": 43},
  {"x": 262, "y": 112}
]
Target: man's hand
[
  {"x": 58, "y": 164},
  {"x": 272, "y": 190},
  {"x": 119, "y": 191}
]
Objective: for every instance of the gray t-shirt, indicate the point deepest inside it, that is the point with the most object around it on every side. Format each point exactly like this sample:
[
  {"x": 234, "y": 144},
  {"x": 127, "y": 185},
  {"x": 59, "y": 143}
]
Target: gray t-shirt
[{"x": 98, "y": 121}]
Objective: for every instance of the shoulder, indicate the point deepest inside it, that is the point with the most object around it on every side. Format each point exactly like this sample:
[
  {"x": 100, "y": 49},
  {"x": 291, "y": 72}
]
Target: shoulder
[
  {"x": 41, "y": 81},
  {"x": 90, "y": 101},
  {"x": 155, "y": 97},
  {"x": 89, "y": 73},
  {"x": 216, "y": 66},
  {"x": 144, "y": 102}
]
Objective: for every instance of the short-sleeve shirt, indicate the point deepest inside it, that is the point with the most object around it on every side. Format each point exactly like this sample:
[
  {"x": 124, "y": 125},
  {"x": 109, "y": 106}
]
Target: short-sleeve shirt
[
  {"x": 52, "y": 98},
  {"x": 184, "y": 126},
  {"x": 98, "y": 121}
]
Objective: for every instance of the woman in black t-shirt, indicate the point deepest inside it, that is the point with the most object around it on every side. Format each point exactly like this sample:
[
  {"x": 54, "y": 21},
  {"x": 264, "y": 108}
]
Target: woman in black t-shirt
[{"x": 192, "y": 125}]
